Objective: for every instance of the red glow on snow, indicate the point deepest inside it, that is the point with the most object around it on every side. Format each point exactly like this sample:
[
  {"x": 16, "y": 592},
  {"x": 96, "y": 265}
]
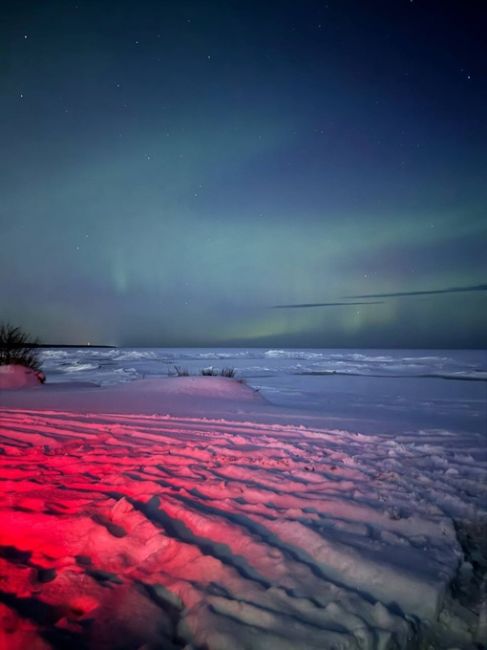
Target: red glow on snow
[
  {"x": 124, "y": 530},
  {"x": 92, "y": 505}
]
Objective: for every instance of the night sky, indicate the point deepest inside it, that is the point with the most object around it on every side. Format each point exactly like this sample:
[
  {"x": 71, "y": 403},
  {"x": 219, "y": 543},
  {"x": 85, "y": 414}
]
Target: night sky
[{"x": 244, "y": 173}]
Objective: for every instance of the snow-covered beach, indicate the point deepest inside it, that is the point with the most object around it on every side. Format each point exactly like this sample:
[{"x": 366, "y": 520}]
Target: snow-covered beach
[{"x": 334, "y": 499}]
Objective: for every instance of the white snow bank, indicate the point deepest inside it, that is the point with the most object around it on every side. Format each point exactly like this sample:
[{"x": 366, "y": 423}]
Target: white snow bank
[
  {"x": 188, "y": 508},
  {"x": 167, "y": 395},
  {"x": 208, "y": 387},
  {"x": 14, "y": 376}
]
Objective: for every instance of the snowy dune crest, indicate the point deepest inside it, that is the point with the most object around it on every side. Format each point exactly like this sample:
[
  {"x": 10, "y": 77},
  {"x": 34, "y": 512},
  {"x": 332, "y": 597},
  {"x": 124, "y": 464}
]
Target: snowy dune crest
[
  {"x": 138, "y": 527},
  {"x": 14, "y": 376}
]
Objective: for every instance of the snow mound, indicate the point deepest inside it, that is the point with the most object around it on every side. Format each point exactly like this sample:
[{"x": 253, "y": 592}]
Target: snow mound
[
  {"x": 211, "y": 387},
  {"x": 174, "y": 395},
  {"x": 14, "y": 376}
]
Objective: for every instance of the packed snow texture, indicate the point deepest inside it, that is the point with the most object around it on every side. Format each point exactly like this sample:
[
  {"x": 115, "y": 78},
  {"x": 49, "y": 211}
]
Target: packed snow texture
[{"x": 192, "y": 513}]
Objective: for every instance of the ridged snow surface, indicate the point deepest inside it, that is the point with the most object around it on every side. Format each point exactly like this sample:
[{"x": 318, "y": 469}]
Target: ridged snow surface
[{"x": 188, "y": 513}]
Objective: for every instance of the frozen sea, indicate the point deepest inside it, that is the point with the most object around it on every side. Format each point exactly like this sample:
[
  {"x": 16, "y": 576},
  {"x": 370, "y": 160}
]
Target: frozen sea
[{"x": 370, "y": 390}]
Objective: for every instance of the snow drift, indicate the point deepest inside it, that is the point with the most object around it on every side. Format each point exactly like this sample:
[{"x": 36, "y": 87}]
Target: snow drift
[
  {"x": 14, "y": 376},
  {"x": 187, "y": 514}
]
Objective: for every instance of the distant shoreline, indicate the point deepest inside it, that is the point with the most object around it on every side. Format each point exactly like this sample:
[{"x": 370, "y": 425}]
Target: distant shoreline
[
  {"x": 254, "y": 347},
  {"x": 57, "y": 345}
]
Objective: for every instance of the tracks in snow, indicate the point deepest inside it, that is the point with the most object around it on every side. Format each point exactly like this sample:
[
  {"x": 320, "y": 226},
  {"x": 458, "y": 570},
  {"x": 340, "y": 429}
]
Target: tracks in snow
[{"x": 197, "y": 531}]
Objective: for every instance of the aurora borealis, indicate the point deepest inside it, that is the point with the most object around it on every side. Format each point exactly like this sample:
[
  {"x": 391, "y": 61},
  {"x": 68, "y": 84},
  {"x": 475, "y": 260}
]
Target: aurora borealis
[{"x": 173, "y": 171}]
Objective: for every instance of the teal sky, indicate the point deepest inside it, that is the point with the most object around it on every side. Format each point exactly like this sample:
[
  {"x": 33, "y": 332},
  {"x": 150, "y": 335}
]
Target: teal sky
[{"x": 172, "y": 171}]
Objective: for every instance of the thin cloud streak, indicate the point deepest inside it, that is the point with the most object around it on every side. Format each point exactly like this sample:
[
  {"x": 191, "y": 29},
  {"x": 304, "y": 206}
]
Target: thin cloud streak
[
  {"x": 326, "y": 304},
  {"x": 398, "y": 294}
]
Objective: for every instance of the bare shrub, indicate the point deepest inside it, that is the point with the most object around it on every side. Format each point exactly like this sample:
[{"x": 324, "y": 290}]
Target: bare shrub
[
  {"x": 17, "y": 347},
  {"x": 215, "y": 372}
]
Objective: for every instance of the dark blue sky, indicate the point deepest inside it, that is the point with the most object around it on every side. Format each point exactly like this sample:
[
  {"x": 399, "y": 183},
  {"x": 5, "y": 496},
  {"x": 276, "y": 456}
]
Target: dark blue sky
[{"x": 172, "y": 171}]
